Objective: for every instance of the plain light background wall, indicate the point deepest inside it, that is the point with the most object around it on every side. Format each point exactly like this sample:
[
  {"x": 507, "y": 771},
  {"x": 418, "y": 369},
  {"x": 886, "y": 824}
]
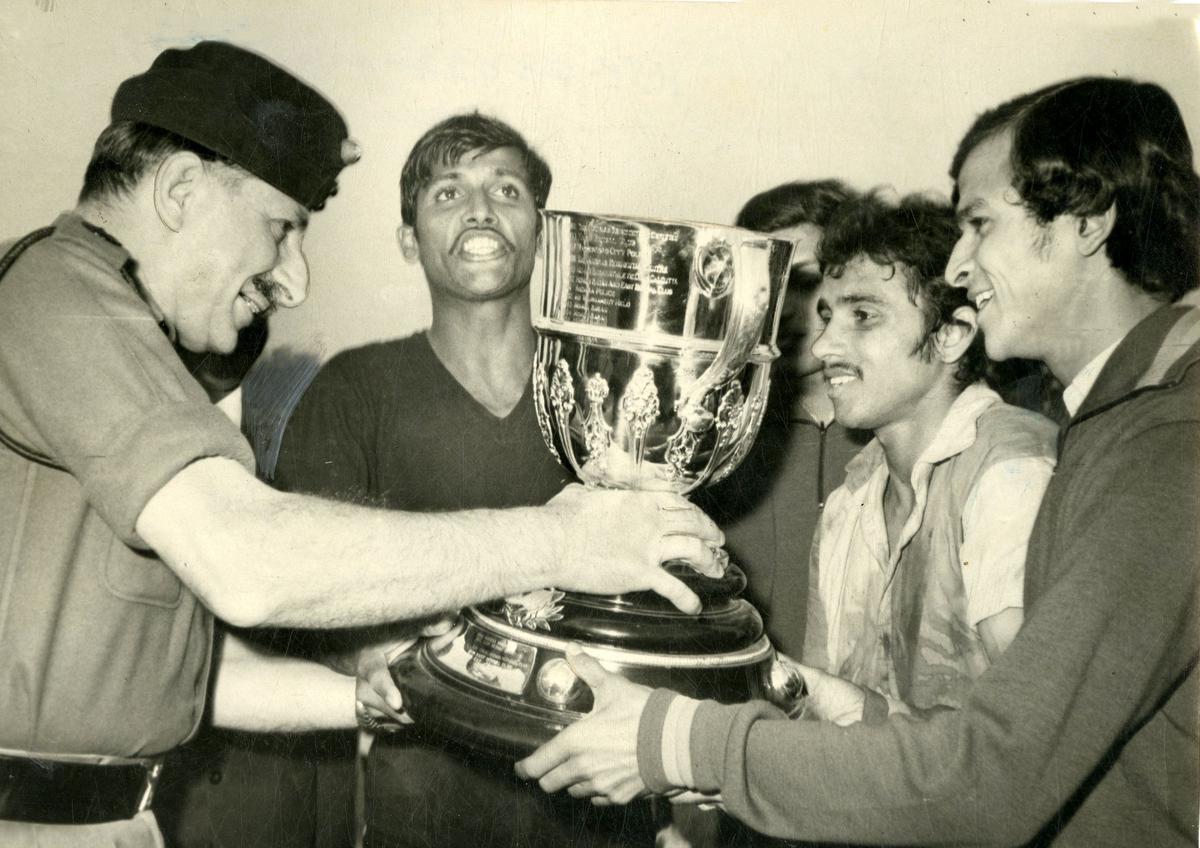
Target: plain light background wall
[{"x": 654, "y": 108}]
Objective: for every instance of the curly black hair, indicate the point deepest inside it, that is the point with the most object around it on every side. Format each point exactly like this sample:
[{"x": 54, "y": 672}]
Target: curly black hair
[{"x": 914, "y": 237}]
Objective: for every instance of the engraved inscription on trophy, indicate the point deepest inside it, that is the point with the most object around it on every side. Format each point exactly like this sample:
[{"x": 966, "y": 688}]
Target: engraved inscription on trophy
[
  {"x": 494, "y": 661},
  {"x": 628, "y": 275}
]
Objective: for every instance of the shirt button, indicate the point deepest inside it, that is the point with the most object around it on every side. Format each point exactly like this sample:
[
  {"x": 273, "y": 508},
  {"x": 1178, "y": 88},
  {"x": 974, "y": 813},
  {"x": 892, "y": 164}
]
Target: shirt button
[{"x": 214, "y": 777}]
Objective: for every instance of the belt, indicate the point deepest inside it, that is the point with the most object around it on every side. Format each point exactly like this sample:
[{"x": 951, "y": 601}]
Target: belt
[{"x": 57, "y": 792}]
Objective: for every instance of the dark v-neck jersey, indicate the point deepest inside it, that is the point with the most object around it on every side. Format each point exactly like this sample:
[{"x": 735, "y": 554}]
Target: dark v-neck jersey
[{"x": 388, "y": 424}]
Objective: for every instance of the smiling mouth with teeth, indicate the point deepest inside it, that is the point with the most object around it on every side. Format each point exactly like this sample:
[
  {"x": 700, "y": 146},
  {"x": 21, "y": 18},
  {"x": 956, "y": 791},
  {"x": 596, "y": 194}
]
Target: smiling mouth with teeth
[
  {"x": 840, "y": 380},
  {"x": 252, "y": 305},
  {"x": 482, "y": 246},
  {"x": 982, "y": 299}
]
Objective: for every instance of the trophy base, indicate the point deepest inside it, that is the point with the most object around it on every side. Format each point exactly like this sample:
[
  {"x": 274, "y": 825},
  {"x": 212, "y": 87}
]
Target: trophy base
[{"x": 506, "y": 688}]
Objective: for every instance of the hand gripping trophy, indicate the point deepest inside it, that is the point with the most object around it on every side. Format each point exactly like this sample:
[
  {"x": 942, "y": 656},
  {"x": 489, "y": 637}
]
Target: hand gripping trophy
[{"x": 655, "y": 341}]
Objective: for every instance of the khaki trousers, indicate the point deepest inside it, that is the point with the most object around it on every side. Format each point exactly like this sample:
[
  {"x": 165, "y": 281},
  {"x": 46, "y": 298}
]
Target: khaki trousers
[{"x": 141, "y": 831}]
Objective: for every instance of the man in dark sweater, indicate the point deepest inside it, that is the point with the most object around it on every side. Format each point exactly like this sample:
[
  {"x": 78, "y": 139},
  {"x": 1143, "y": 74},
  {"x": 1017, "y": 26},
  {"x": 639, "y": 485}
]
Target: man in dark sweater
[{"x": 1080, "y": 246}]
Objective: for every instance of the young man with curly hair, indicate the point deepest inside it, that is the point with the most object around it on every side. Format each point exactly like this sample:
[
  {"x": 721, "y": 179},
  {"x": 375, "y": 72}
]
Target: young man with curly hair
[{"x": 916, "y": 585}]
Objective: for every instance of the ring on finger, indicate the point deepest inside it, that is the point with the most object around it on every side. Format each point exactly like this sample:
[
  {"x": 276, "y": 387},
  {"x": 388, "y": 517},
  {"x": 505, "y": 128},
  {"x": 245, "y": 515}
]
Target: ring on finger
[{"x": 365, "y": 719}]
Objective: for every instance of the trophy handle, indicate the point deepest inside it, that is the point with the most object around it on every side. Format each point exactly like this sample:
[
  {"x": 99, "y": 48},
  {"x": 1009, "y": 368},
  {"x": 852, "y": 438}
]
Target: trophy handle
[{"x": 750, "y": 298}]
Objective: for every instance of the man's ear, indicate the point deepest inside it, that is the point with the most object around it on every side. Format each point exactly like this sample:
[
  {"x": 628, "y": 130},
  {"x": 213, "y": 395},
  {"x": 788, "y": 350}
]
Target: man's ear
[
  {"x": 954, "y": 338},
  {"x": 175, "y": 183},
  {"x": 1093, "y": 230},
  {"x": 406, "y": 237}
]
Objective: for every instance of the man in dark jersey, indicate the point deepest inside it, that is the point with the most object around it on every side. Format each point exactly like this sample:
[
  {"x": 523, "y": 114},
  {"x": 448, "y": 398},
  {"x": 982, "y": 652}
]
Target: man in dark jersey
[{"x": 444, "y": 420}]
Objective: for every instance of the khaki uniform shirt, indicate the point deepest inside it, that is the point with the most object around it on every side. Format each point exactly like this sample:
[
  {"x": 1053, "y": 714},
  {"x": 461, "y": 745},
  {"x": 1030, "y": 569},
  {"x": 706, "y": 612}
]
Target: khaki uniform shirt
[{"x": 103, "y": 651}]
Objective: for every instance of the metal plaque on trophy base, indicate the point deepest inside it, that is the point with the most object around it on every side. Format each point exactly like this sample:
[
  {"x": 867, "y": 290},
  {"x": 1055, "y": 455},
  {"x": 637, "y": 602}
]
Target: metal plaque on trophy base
[{"x": 655, "y": 340}]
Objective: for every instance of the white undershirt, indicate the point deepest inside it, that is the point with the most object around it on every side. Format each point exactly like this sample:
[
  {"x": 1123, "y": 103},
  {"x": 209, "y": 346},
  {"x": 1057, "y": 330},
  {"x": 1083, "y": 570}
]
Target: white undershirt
[{"x": 1074, "y": 394}]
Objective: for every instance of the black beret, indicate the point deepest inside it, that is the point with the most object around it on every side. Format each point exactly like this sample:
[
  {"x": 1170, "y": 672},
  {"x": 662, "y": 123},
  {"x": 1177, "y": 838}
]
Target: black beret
[{"x": 246, "y": 109}]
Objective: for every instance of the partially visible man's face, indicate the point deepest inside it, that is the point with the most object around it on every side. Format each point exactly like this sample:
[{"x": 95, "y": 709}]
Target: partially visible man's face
[
  {"x": 1014, "y": 269},
  {"x": 476, "y": 227},
  {"x": 867, "y": 340},
  {"x": 798, "y": 323},
  {"x": 244, "y": 249}
]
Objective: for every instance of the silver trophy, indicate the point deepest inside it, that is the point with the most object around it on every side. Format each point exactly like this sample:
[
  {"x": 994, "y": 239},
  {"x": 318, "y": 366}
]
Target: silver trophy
[
  {"x": 655, "y": 340},
  {"x": 655, "y": 343}
]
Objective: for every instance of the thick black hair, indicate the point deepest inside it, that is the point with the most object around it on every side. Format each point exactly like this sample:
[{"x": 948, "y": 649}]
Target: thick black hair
[
  {"x": 792, "y": 204},
  {"x": 448, "y": 141},
  {"x": 1084, "y": 145}
]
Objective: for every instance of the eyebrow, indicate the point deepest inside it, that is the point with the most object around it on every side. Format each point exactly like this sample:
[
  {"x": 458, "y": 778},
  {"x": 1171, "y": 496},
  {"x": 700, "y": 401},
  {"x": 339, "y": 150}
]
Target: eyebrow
[
  {"x": 511, "y": 172},
  {"x": 852, "y": 299},
  {"x": 444, "y": 177},
  {"x": 967, "y": 211},
  {"x": 451, "y": 176}
]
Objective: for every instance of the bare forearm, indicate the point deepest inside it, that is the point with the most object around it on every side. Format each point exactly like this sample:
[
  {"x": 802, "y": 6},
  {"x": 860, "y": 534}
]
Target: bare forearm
[
  {"x": 257, "y": 691},
  {"x": 257, "y": 557},
  {"x": 325, "y": 564},
  {"x": 261, "y": 557}
]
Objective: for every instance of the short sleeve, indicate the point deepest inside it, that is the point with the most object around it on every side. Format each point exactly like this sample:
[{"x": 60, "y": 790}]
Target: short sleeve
[
  {"x": 997, "y": 519},
  {"x": 89, "y": 380}
]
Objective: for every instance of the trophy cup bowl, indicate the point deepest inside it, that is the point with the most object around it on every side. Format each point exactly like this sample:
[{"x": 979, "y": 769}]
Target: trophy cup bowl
[{"x": 655, "y": 340}]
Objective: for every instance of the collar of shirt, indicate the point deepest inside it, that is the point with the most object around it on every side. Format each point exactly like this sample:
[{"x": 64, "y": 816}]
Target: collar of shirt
[
  {"x": 854, "y": 525},
  {"x": 866, "y": 479},
  {"x": 1074, "y": 394},
  {"x": 955, "y": 434},
  {"x": 70, "y": 226},
  {"x": 100, "y": 242}
]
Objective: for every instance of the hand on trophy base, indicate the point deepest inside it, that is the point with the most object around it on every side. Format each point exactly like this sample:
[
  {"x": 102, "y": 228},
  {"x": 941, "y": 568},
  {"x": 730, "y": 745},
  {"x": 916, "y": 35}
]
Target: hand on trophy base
[
  {"x": 613, "y": 540},
  {"x": 727, "y": 585}
]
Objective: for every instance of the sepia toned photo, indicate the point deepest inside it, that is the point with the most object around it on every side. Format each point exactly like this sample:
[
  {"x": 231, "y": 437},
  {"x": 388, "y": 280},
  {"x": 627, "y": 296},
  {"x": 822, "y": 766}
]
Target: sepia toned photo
[{"x": 601, "y": 423}]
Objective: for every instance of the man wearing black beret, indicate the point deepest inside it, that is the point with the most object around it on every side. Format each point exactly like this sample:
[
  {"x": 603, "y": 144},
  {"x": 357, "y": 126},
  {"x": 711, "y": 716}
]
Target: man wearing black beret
[{"x": 129, "y": 513}]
